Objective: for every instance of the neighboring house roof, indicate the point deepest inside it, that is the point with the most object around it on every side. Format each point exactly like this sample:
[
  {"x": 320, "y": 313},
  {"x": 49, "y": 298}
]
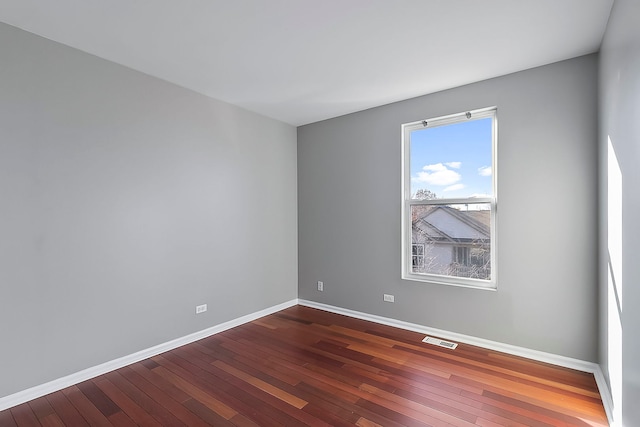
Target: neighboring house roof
[
  {"x": 443, "y": 223},
  {"x": 430, "y": 231},
  {"x": 483, "y": 217}
]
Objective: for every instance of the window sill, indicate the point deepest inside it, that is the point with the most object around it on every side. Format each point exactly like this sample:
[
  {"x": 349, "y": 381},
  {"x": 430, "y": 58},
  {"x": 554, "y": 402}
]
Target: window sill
[{"x": 484, "y": 285}]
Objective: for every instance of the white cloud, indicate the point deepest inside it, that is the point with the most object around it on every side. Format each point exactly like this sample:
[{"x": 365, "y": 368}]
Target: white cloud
[
  {"x": 435, "y": 167},
  {"x": 484, "y": 171},
  {"x": 454, "y": 187},
  {"x": 437, "y": 174},
  {"x": 454, "y": 165}
]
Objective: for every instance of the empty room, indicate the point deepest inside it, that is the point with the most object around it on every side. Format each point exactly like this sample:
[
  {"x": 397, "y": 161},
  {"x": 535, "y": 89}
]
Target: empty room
[{"x": 319, "y": 212}]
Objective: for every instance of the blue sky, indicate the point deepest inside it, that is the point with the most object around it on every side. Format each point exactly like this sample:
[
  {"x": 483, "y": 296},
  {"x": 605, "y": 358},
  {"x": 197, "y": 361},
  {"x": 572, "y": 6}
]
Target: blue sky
[{"x": 453, "y": 161}]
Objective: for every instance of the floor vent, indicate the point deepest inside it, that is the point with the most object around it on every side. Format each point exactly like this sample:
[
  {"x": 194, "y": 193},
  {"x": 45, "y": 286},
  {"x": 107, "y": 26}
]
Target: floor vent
[{"x": 439, "y": 342}]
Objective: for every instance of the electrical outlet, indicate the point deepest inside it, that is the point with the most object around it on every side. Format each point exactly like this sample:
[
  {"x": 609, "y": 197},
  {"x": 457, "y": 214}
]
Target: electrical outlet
[
  {"x": 320, "y": 286},
  {"x": 388, "y": 298},
  {"x": 201, "y": 308}
]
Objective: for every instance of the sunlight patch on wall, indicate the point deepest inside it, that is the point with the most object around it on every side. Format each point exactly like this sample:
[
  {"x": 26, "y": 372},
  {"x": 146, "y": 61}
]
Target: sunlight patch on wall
[
  {"x": 615, "y": 284},
  {"x": 614, "y": 215}
]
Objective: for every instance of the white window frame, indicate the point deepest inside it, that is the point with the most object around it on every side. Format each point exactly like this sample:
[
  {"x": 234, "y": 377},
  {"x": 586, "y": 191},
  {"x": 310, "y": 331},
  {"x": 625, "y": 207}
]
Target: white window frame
[
  {"x": 418, "y": 256},
  {"x": 407, "y": 202}
]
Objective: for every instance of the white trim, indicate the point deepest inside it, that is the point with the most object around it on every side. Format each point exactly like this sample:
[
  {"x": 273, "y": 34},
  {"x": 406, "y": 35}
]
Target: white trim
[
  {"x": 605, "y": 395},
  {"x": 455, "y": 117},
  {"x": 86, "y": 374},
  {"x": 541, "y": 356},
  {"x": 463, "y": 201}
]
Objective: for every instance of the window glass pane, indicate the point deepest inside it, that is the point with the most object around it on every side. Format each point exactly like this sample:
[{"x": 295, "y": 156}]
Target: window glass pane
[
  {"x": 452, "y": 161},
  {"x": 454, "y": 240}
]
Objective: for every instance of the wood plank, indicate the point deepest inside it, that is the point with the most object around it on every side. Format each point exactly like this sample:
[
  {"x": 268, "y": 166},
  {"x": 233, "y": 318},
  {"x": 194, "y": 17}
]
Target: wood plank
[
  {"x": 41, "y": 408},
  {"x": 541, "y": 399},
  {"x": 52, "y": 420},
  {"x": 242, "y": 421},
  {"x": 98, "y": 398},
  {"x": 253, "y": 403},
  {"x": 540, "y": 415},
  {"x": 209, "y": 416},
  {"x": 274, "y": 405},
  {"x": 198, "y": 393},
  {"x": 413, "y": 408},
  {"x": 396, "y": 417},
  {"x": 504, "y": 371},
  {"x": 446, "y": 401},
  {"x": 142, "y": 400},
  {"x": 480, "y": 376},
  {"x": 222, "y": 392},
  {"x": 268, "y": 388},
  {"x": 120, "y": 419},
  {"x": 332, "y": 398},
  {"x": 188, "y": 417},
  {"x": 65, "y": 410},
  {"x": 84, "y": 406},
  {"x": 363, "y": 422},
  {"x": 160, "y": 382},
  {"x": 6, "y": 419},
  {"x": 24, "y": 417},
  {"x": 128, "y": 406}
]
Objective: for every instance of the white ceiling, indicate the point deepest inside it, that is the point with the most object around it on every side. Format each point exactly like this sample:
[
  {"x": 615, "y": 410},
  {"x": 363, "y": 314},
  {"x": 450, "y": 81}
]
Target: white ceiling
[{"x": 301, "y": 61}]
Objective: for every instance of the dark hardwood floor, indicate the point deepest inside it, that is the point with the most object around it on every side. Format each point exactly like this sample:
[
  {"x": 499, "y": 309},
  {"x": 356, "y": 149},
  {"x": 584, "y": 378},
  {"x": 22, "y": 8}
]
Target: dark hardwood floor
[{"x": 303, "y": 366}]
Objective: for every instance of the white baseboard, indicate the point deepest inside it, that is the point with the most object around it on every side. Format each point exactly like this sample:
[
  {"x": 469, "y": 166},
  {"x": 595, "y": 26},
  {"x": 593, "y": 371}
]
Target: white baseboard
[
  {"x": 86, "y": 374},
  {"x": 541, "y": 356},
  {"x": 605, "y": 395}
]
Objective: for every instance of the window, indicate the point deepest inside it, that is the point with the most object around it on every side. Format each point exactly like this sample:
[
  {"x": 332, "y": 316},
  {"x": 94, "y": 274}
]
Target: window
[
  {"x": 417, "y": 256},
  {"x": 449, "y": 199},
  {"x": 461, "y": 255}
]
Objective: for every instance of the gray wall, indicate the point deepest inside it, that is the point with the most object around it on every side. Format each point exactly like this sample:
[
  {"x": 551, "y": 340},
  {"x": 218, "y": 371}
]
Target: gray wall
[
  {"x": 349, "y": 212},
  {"x": 125, "y": 201},
  {"x": 620, "y": 122}
]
